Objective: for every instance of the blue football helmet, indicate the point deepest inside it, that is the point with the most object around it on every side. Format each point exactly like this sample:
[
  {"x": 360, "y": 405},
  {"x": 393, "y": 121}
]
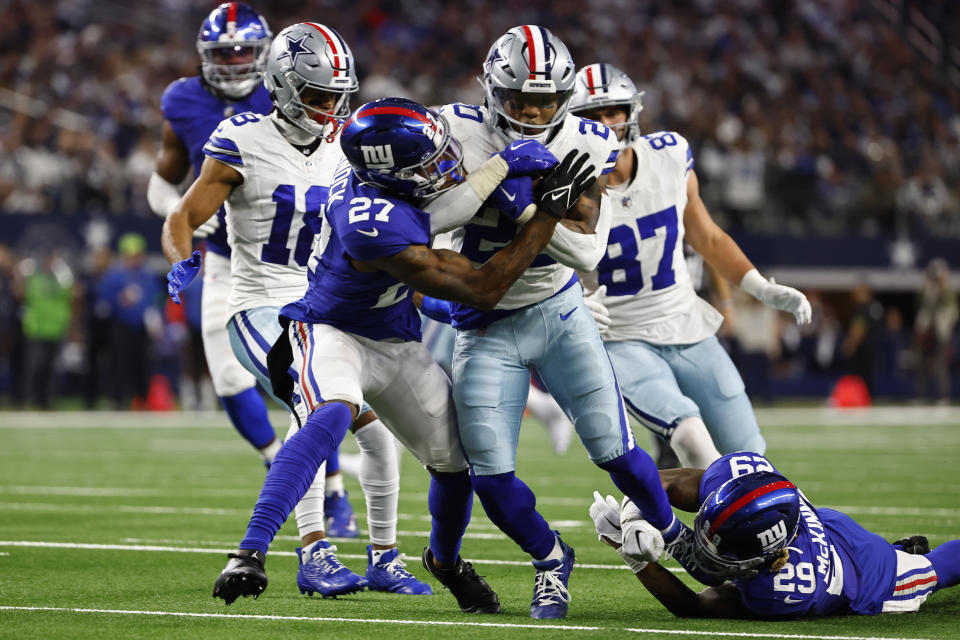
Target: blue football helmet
[
  {"x": 749, "y": 517},
  {"x": 403, "y": 147},
  {"x": 233, "y": 43}
]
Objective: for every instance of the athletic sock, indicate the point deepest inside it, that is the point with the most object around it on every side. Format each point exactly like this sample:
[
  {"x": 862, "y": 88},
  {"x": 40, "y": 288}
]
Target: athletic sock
[
  {"x": 636, "y": 475},
  {"x": 946, "y": 562},
  {"x": 692, "y": 443},
  {"x": 334, "y": 482},
  {"x": 511, "y": 505},
  {"x": 248, "y": 414},
  {"x": 380, "y": 480},
  {"x": 450, "y": 500}
]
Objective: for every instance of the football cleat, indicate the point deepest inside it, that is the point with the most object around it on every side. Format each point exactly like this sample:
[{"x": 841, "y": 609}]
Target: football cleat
[
  {"x": 388, "y": 574},
  {"x": 243, "y": 576},
  {"x": 679, "y": 544},
  {"x": 916, "y": 545},
  {"x": 550, "y": 594},
  {"x": 323, "y": 573},
  {"x": 341, "y": 522},
  {"x": 472, "y": 592}
]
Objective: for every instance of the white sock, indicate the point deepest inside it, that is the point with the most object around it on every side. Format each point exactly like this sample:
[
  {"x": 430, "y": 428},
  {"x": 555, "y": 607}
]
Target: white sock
[
  {"x": 309, "y": 511},
  {"x": 350, "y": 464},
  {"x": 335, "y": 484},
  {"x": 545, "y": 408},
  {"x": 376, "y": 554},
  {"x": 380, "y": 480},
  {"x": 556, "y": 553},
  {"x": 269, "y": 452},
  {"x": 692, "y": 443}
]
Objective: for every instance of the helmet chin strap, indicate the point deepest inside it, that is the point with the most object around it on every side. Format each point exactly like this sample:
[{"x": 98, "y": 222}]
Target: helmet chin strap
[{"x": 294, "y": 134}]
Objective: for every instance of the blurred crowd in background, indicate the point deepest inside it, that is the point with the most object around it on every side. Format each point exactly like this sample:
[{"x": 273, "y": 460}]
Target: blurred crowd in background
[{"x": 806, "y": 117}]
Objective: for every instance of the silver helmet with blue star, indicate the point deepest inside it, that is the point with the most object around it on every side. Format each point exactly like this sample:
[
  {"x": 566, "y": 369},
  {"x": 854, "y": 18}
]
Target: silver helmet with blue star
[
  {"x": 602, "y": 85},
  {"x": 305, "y": 56}
]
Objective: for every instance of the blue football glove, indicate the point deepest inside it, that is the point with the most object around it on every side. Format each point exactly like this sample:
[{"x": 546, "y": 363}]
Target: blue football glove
[
  {"x": 181, "y": 275},
  {"x": 514, "y": 198},
  {"x": 527, "y": 157}
]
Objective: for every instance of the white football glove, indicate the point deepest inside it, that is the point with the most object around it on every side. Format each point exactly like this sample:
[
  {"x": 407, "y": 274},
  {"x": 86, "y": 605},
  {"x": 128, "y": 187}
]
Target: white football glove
[
  {"x": 777, "y": 296},
  {"x": 642, "y": 541},
  {"x": 606, "y": 517},
  {"x": 212, "y": 224},
  {"x": 599, "y": 311}
]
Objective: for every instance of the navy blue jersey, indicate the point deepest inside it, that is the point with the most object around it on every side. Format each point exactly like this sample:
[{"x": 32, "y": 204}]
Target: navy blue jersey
[
  {"x": 835, "y": 564},
  {"x": 193, "y": 113},
  {"x": 365, "y": 223}
]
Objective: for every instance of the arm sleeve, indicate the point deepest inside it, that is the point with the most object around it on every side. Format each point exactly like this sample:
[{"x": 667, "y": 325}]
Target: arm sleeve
[
  {"x": 162, "y": 196},
  {"x": 582, "y": 251}
]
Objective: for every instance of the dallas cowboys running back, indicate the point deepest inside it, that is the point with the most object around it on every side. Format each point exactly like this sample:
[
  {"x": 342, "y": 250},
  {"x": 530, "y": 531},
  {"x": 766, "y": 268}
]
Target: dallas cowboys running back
[
  {"x": 541, "y": 321},
  {"x": 660, "y": 333},
  {"x": 785, "y": 558},
  {"x": 355, "y": 335},
  {"x": 232, "y": 42},
  {"x": 272, "y": 172}
]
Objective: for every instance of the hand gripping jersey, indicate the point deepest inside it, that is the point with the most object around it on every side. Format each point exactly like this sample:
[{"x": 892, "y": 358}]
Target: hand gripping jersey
[
  {"x": 273, "y": 215},
  {"x": 365, "y": 223},
  {"x": 490, "y": 230},
  {"x": 834, "y": 565},
  {"x": 650, "y": 294},
  {"x": 193, "y": 113}
]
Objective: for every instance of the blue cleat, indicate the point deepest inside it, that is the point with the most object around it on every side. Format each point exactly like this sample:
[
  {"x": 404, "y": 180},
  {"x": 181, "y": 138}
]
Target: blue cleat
[
  {"x": 323, "y": 573},
  {"x": 388, "y": 574},
  {"x": 339, "y": 516},
  {"x": 550, "y": 595}
]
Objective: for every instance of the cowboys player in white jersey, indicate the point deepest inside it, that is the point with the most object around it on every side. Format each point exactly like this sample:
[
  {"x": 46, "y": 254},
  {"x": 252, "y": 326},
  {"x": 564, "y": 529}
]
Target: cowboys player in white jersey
[
  {"x": 541, "y": 321},
  {"x": 272, "y": 173},
  {"x": 659, "y": 333}
]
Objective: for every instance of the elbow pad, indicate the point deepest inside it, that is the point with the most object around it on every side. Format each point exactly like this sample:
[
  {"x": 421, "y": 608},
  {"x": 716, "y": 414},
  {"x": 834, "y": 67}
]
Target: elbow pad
[
  {"x": 457, "y": 206},
  {"x": 582, "y": 251},
  {"x": 162, "y": 196}
]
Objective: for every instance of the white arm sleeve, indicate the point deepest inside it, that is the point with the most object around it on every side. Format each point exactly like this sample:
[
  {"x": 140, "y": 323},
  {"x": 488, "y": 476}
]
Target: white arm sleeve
[
  {"x": 455, "y": 207},
  {"x": 162, "y": 196},
  {"x": 582, "y": 251}
]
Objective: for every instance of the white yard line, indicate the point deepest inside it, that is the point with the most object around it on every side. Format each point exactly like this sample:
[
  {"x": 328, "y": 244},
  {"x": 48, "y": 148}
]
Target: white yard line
[{"x": 437, "y": 623}]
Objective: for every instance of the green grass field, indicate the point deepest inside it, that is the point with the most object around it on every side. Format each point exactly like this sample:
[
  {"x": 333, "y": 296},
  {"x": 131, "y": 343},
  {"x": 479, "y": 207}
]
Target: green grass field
[{"x": 116, "y": 525}]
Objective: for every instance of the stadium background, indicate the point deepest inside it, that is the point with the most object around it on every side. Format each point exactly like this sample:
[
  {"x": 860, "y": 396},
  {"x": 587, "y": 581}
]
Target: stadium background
[{"x": 826, "y": 136}]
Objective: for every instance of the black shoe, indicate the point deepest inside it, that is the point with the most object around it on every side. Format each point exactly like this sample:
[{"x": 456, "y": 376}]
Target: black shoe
[
  {"x": 472, "y": 592},
  {"x": 916, "y": 545},
  {"x": 243, "y": 576}
]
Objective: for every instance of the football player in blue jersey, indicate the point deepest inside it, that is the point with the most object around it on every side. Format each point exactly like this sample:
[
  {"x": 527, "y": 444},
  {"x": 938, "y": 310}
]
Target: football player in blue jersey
[
  {"x": 355, "y": 335},
  {"x": 233, "y": 42},
  {"x": 677, "y": 380},
  {"x": 769, "y": 553},
  {"x": 542, "y": 321}
]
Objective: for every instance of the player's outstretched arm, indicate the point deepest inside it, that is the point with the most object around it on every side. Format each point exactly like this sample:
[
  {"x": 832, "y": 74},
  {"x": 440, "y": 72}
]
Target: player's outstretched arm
[
  {"x": 204, "y": 197},
  {"x": 173, "y": 162},
  {"x": 450, "y": 276},
  {"x": 682, "y": 487},
  {"x": 682, "y": 601}
]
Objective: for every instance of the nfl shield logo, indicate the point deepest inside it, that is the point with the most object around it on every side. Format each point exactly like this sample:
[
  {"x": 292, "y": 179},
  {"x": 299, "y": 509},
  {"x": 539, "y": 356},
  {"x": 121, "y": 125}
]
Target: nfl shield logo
[{"x": 626, "y": 202}]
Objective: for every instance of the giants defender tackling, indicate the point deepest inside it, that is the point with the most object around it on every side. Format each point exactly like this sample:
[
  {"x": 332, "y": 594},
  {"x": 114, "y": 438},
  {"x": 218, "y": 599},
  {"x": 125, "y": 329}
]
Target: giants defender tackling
[
  {"x": 658, "y": 331},
  {"x": 232, "y": 42},
  {"x": 272, "y": 173}
]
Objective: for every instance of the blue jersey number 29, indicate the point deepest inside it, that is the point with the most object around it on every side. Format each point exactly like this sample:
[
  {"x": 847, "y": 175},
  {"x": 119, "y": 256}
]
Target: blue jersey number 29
[
  {"x": 275, "y": 251},
  {"x": 626, "y": 262}
]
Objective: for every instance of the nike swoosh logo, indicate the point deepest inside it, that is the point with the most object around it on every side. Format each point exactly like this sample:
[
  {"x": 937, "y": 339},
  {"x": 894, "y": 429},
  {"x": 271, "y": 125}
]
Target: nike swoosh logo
[
  {"x": 556, "y": 195},
  {"x": 564, "y": 316},
  {"x": 509, "y": 196},
  {"x": 372, "y": 234},
  {"x": 791, "y": 600},
  {"x": 517, "y": 146}
]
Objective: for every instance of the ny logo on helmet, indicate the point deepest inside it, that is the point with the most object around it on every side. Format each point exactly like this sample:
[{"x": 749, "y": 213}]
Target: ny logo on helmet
[
  {"x": 774, "y": 536},
  {"x": 377, "y": 156}
]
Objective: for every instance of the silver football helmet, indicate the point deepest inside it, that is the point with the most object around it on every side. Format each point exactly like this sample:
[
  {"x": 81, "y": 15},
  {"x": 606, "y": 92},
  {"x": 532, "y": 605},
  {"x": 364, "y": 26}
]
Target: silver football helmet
[
  {"x": 310, "y": 55},
  {"x": 527, "y": 60},
  {"x": 603, "y": 85}
]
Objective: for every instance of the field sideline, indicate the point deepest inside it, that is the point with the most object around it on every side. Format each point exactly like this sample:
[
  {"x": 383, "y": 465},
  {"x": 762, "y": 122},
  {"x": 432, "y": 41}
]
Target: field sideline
[{"x": 116, "y": 525}]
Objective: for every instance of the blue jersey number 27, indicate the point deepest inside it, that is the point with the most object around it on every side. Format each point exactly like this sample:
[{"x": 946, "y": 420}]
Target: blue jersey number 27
[
  {"x": 627, "y": 263},
  {"x": 275, "y": 251}
]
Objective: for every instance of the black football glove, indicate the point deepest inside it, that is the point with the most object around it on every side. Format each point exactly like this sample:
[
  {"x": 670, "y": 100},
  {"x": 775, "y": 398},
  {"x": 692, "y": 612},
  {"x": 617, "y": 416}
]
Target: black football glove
[
  {"x": 560, "y": 188},
  {"x": 916, "y": 545}
]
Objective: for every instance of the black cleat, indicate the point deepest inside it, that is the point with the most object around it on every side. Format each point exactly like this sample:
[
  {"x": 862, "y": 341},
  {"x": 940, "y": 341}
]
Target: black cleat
[
  {"x": 243, "y": 576},
  {"x": 472, "y": 592},
  {"x": 916, "y": 545}
]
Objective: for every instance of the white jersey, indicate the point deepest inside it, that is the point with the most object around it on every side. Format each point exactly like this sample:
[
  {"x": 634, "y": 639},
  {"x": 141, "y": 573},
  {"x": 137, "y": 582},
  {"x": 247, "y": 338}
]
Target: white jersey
[
  {"x": 488, "y": 231},
  {"x": 273, "y": 216},
  {"x": 650, "y": 295}
]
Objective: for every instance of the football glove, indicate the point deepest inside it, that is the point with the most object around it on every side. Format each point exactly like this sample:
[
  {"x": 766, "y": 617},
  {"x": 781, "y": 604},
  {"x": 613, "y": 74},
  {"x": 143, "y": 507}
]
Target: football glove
[
  {"x": 599, "y": 311},
  {"x": 181, "y": 275},
  {"x": 777, "y": 296},
  {"x": 606, "y": 518},
  {"x": 527, "y": 158},
  {"x": 642, "y": 541},
  {"x": 917, "y": 545},
  {"x": 560, "y": 188},
  {"x": 514, "y": 198}
]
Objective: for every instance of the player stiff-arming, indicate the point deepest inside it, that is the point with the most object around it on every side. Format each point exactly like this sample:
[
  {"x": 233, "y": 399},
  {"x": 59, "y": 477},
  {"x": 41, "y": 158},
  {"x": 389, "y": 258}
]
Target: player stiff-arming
[{"x": 783, "y": 557}]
